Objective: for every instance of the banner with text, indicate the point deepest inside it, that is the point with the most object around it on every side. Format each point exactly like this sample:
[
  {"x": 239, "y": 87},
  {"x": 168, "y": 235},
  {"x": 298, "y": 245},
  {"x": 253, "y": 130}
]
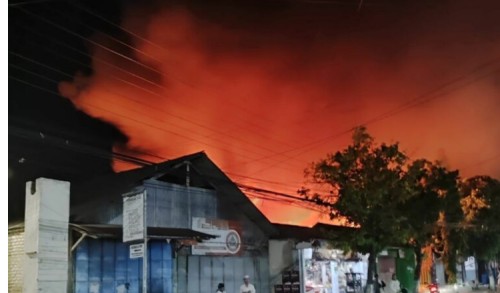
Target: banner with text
[
  {"x": 133, "y": 217},
  {"x": 228, "y": 241}
]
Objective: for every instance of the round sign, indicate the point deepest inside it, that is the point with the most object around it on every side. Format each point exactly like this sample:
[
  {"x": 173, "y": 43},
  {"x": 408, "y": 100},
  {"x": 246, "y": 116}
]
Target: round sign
[{"x": 233, "y": 242}]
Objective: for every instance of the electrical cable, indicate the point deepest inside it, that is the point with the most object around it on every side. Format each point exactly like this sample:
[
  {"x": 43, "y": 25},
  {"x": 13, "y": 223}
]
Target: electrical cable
[
  {"x": 434, "y": 94},
  {"x": 121, "y": 55},
  {"x": 155, "y": 108},
  {"x": 387, "y": 114},
  {"x": 133, "y": 119}
]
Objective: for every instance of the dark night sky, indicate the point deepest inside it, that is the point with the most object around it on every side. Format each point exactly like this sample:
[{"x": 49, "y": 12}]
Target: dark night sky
[{"x": 34, "y": 113}]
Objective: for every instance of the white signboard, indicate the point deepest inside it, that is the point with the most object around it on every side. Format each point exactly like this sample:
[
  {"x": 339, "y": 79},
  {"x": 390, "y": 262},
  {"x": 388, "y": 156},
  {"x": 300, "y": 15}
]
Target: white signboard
[
  {"x": 133, "y": 217},
  {"x": 137, "y": 250},
  {"x": 228, "y": 241},
  {"x": 470, "y": 263}
]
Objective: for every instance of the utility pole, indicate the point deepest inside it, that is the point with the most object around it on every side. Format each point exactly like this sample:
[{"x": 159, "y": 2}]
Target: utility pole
[{"x": 145, "y": 255}]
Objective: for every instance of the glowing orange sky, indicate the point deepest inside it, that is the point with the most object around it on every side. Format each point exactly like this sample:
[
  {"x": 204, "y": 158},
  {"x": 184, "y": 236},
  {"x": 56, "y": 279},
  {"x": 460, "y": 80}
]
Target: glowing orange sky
[{"x": 266, "y": 95}]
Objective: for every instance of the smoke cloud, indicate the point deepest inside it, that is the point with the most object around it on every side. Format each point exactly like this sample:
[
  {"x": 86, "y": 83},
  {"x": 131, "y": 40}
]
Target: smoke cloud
[{"x": 265, "y": 89}]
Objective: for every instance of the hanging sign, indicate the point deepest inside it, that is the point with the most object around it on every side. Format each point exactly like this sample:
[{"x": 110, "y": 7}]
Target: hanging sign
[
  {"x": 470, "y": 263},
  {"x": 136, "y": 250},
  {"x": 228, "y": 241},
  {"x": 133, "y": 217}
]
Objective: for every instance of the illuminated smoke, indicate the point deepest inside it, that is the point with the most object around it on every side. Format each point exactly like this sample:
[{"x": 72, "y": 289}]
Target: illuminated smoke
[{"x": 248, "y": 85}]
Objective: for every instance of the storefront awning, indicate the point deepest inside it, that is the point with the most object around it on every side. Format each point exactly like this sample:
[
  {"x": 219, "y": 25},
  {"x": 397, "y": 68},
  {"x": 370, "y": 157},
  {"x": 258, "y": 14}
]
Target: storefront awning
[{"x": 115, "y": 231}]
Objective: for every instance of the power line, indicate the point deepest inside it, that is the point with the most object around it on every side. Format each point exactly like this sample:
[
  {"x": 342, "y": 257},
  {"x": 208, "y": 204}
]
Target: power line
[
  {"x": 70, "y": 145},
  {"x": 388, "y": 114},
  {"x": 279, "y": 201},
  {"x": 156, "y": 94},
  {"x": 264, "y": 181},
  {"x": 433, "y": 94},
  {"x": 482, "y": 162},
  {"x": 61, "y": 72},
  {"x": 127, "y": 58},
  {"x": 49, "y": 91},
  {"x": 29, "y": 2},
  {"x": 97, "y": 44},
  {"x": 81, "y": 7},
  {"x": 156, "y": 45},
  {"x": 97, "y": 107},
  {"x": 257, "y": 189},
  {"x": 401, "y": 108},
  {"x": 251, "y": 191},
  {"x": 285, "y": 198},
  {"x": 129, "y": 118},
  {"x": 142, "y": 162},
  {"x": 358, "y": 3},
  {"x": 66, "y": 144},
  {"x": 373, "y": 120},
  {"x": 216, "y": 131}
]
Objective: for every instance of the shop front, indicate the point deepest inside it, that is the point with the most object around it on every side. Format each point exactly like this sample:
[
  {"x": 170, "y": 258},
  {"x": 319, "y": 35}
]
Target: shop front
[
  {"x": 319, "y": 267},
  {"x": 329, "y": 270},
  {"x": 323, "y": 268}
]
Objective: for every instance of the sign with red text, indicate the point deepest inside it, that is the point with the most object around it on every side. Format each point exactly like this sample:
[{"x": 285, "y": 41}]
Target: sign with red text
[{"x": 228, "y": 241}]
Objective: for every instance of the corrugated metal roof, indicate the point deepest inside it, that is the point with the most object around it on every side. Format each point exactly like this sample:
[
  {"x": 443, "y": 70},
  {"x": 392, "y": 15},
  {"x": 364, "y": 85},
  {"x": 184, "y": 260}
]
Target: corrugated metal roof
[{"x": 203, "y": 173}]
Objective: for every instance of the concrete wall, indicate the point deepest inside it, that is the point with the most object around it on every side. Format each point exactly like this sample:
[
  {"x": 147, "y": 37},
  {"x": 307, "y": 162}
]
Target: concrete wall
[
  {"x": 281, "y": 258},
  {"x": 46, "y": 236},
  {"x": 16, "y": 256}
]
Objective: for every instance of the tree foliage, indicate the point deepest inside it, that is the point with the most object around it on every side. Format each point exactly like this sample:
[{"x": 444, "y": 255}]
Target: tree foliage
[
  {"x": 480, "y": 203},
  {"x": 392, "y": 200}
]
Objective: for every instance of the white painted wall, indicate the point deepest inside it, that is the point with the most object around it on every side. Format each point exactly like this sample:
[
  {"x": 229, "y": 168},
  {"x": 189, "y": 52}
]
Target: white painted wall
[{"x": 46, "y": 236}]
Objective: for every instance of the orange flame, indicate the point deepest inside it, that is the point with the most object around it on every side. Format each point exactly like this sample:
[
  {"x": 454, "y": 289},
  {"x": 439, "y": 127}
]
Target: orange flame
[{"x": 264, "y": 104}]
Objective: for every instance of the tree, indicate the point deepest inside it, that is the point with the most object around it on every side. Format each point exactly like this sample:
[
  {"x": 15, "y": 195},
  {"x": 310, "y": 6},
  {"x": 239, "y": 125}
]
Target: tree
[
  {"x": 480, "y": 202},
  {"x": 480, "y": 230},
  {"x": 435, "y": 203},
  {"x": 367, "y": 191},
  {"x": 375, "y": 187}
]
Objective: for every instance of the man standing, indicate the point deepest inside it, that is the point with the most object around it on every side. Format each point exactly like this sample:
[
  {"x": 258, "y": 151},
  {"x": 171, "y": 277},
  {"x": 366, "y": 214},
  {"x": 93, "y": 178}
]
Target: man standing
[
  {"x": 394, "y": 285},
  {"x": 247, "y": 287}
]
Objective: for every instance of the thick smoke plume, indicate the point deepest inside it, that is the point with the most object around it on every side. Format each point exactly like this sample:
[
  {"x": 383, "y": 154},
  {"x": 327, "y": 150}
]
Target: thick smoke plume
[{"x": 265, "y": 89}]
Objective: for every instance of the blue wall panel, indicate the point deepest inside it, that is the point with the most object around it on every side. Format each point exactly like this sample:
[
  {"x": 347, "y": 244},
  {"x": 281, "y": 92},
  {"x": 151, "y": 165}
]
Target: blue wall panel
[
  {"x": 167, "y": 266},
  {"x": 108, "y": 261},
  {"x": 105, "y": 264},
  {"x": 121, "y": 256},
  {"x": 155, "y": 267},
  {"x": 95, "y": 259}
]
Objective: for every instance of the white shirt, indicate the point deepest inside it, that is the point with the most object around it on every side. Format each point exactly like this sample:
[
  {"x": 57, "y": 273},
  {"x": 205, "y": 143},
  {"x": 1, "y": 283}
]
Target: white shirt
[
  {"x": 394, "y": 286},
  {"x": 247, "y": 289}
]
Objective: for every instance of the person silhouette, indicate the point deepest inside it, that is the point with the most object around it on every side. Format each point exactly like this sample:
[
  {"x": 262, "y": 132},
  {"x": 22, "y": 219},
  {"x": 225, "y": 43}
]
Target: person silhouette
[
  {"x": 247, "y": 287},
  {"x": 220, "y": 288}
]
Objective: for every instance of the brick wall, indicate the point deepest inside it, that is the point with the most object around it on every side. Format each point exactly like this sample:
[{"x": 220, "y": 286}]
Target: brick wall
[{"x": 16, "y": 256}]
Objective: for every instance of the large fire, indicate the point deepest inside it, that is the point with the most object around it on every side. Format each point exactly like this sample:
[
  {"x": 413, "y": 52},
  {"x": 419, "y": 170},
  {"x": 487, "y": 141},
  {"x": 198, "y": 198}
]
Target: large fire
[{"x": 264, "y": 95}]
